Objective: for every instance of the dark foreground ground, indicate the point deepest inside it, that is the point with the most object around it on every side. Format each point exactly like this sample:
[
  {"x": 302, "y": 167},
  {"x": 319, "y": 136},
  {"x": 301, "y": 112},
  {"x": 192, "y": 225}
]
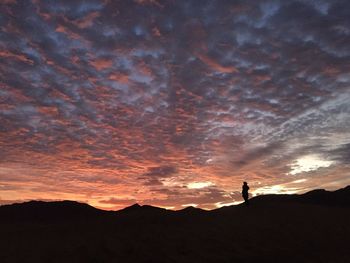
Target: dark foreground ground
[{"x": 314, "y": 227}]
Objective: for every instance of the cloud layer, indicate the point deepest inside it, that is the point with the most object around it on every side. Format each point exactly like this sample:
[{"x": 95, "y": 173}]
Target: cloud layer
[{"x": 116, "y": 102}]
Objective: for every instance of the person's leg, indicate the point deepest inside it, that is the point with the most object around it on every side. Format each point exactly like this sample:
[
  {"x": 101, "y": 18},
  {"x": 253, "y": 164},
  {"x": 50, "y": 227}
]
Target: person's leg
[{"x": 246, "y": 201}]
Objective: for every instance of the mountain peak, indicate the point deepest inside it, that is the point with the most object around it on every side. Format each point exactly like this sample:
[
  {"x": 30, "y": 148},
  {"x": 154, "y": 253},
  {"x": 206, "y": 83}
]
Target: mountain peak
[
  {"x": 138, "y": 207},
  {"x": 135, "y": 206},
  {"x": 191, "y": 209}
]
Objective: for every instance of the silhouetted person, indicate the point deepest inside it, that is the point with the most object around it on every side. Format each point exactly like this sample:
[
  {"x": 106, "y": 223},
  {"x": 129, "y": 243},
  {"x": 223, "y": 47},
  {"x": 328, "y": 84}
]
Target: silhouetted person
[{"x": 245, "y": 194}]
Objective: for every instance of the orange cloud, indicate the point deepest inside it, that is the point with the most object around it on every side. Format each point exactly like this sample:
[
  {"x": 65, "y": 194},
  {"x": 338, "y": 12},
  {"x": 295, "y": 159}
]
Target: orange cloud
[
  {"x": 20, "y": 57},
  {"x": 216, "y": 66},
  {"x": 156, "y": 32},
  {"x": 69, "y": 33},
  {"x": 87, "y": 21},
  {"x": 119, "y": 77},
  {"x": 52, "y": 111},
  {"x": 101, "y": 64}
]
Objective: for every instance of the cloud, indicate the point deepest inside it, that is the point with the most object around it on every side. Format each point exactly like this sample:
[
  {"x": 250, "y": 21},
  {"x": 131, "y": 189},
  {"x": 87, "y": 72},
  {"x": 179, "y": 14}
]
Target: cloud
[
  {"x": 143, "y": 98},
  {"x": 214, "y": 65},
  {"x": 161, "y": 171},
  {"x": 101, "y": 64},
  {"x": 87, "y": 21}
]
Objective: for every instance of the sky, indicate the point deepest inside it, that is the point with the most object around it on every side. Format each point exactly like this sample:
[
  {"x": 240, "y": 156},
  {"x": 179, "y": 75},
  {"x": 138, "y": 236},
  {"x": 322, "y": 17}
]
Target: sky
[{"x": 172, "y": 103}]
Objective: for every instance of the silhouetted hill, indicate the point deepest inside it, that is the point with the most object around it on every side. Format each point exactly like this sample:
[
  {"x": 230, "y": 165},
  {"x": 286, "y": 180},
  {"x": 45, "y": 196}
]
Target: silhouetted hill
[
  {"x": 191, "y": 211},
  {"x": 136, "y": 208},
  {"x": 339, "y": 197},
  {"x": 313, "y": 227},
  {"x": 59, "y": 210},
  {"x": 40, "y": 210}
]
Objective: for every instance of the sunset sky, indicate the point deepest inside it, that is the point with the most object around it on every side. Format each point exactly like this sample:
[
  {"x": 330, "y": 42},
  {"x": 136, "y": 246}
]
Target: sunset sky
[{"x": 172, "y": 103}]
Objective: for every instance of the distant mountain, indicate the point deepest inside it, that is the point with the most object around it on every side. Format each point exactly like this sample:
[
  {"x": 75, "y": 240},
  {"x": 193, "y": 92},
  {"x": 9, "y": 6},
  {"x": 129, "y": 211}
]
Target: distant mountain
[
  {"x": 40, "y": 210},
  {"x": 191, "y": 210},
  {"x": 312, "y": 227}
]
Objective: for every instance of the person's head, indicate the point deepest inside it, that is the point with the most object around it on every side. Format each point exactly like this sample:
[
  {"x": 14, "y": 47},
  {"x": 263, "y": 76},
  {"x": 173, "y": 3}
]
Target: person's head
[{"x": 245, "y": 183}]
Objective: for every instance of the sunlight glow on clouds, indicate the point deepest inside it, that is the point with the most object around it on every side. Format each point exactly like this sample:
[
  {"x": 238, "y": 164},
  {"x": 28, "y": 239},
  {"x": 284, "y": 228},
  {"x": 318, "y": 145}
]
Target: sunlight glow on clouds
[
  {"x": 274, "y": 189},
  {"x": 309, "y": 163},
  {"x": 199, "y": 185},
  {"x": 222, "y": 204},
  {"x": 187, "y": 205}
]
